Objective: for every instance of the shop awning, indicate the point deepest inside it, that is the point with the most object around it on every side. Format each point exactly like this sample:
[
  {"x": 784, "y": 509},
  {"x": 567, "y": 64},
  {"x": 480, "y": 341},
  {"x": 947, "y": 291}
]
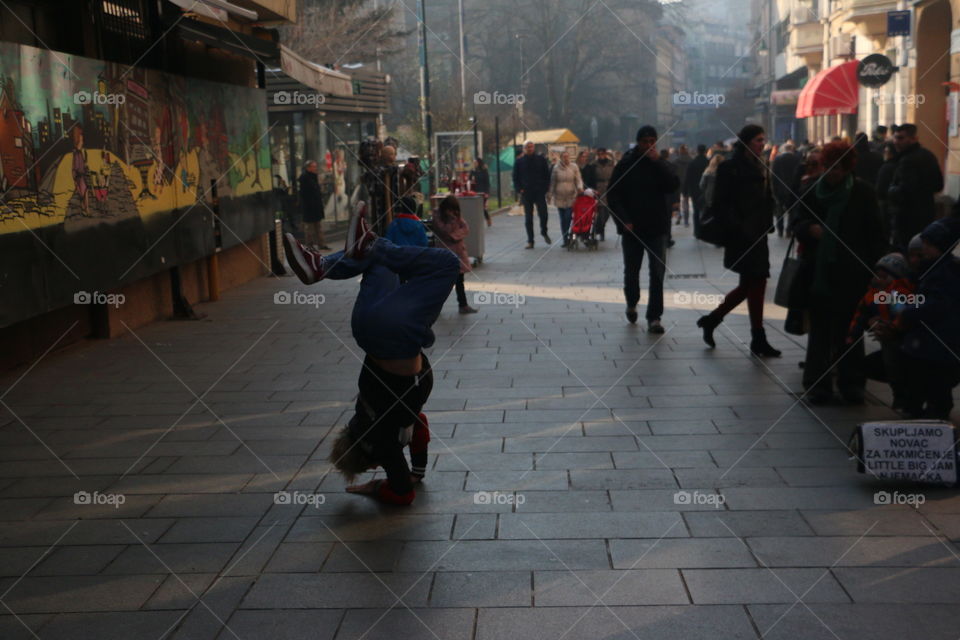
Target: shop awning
[
  {"x": 833, "y": 91},
  {"x": 547, "y": 136},
  {"x": 313, "y": 75}
]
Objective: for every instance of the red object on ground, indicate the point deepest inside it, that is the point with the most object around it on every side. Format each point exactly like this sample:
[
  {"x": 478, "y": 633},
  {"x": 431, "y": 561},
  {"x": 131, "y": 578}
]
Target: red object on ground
[{"x": 584, "y": 210}]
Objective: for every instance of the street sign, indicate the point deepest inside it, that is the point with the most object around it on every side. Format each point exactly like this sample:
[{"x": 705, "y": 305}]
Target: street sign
[
  {"x": 875, "y": 70},
  {"x": 898, "y": 23}
]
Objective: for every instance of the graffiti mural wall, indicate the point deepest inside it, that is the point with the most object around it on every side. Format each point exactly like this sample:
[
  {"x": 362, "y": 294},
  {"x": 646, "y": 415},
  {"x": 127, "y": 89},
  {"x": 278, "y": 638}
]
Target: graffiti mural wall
[{"x": 110, "y": 173}]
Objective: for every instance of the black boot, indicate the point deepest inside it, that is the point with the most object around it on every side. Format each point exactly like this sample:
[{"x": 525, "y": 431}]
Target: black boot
[
  {"x": 759, "y": 345},
  {"x": 708, "y": 323}
]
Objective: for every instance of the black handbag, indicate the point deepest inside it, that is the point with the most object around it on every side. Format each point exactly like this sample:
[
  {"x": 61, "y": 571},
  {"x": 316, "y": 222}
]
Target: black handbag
[
  {"x": 789, "y": 274},
  {"x": 713, "y": 227}
]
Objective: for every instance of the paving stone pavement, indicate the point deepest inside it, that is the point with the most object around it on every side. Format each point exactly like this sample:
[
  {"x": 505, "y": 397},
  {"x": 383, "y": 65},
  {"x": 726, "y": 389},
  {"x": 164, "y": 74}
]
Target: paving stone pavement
[{"x": 587, "y": 479}]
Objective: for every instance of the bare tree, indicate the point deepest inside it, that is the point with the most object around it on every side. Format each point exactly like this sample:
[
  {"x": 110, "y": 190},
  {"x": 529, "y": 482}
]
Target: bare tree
[{"x": 335, "y": 32}]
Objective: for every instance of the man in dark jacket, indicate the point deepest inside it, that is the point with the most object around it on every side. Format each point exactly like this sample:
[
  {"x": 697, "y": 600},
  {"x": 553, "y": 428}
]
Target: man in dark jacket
[
  {"x": 691, "y": 184},
  {"x": 682, "y": 163},
  {"x": 932, "y": 333},
  {"x": 838, "y": 226},
  {"x": 311, "y": 206},
  {"x": 638, "y": 199},
  {"x": 868, "y": 161},
  {"x": 916, "y": 180},
  {"x": 785, "y": 167},
  {"x": 531, "y": 180}
]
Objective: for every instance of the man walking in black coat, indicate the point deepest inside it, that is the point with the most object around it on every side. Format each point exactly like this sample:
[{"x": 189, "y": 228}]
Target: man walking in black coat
[
  {"x": 691, "y": 184},
  {"x": 638, "y": 201},
  {"x": 311, "y": 206},
  {"x": 531, "y": 179},
  {"x": 916, "y": 180},
  {"x": 785, "y": 167}
]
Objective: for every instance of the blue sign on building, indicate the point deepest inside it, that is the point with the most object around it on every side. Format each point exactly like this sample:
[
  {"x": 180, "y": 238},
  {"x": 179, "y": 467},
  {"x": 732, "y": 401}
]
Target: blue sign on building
[{"x": 898, "y": 23}]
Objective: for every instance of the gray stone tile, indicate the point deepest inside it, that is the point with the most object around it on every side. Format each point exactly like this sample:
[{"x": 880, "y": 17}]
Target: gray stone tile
[
  {"x": 65, "y": 594},
  {"x": 473, "y": 526},
  {"x": 180, "y": 592},
  {"x": 554, "y": 460},
  {"x": 622, "y": 479},
  {"x": 212, "y": 506},
  {"x": 179, "y": 558},
  {"x": 336, "y": 591},
  {"x": 503, "y": 555},
  {"x": 284, "y": 625},
  {"x": 762, "y": 586},
  {"x": 555, "y": 480},
  {"x": 661, "y": 500},
  {"x": 386, "y": 527},
  {"x": 298, "y": 557},
  {"x": 218, "y": 529},
  {"x": 570, "y": 444},
  {"x": 519, "y": 526},
  {"x": 561, "y": 501},
  {"x": 727, "y": 478},
  {"x": 646, "y": 459},
  {"x": 95, "y": 626},
  {"x": 482, "y": 589},
  {"x": 832, "y": 621},
  {"x": 849, "y": 551},
  {"x": 690, "y": 553},
  {"x": 920, "y": 585},
  {"x": 363, "y": 557},
  {"x": 754, "y": 498},
  {"x": 419, "y": 624},
  {"x": 623, "y": 623},
  {"x": 610, "y": 588},
  {"x": 746, "y": 524},
  {"x": 220, "y": 600},
  {"x": 77, "y": 561},
  {"x": 880, "y": 521},
  {"x": 22, "y": 627}
]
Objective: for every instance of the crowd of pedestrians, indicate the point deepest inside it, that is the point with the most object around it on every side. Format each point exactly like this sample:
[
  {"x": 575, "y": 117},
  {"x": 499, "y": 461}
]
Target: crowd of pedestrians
[{"x": 873, "y": 257}]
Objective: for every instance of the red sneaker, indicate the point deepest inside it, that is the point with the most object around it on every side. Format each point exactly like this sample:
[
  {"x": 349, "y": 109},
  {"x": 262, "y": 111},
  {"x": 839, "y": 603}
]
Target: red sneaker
[
  {"x": 359, "y": 235},
  {"x": 307, "y": 264}
]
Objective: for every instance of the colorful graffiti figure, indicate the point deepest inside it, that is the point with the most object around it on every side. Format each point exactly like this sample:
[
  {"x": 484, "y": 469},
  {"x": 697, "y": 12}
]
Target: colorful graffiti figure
[
  {"x": 158, "y": 168},
  {"x": 80, "y": 169}
]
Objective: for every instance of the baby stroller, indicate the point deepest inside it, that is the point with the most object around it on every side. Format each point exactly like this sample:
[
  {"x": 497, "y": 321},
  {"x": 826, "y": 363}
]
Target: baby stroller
[{"x": 582, "y": 226}]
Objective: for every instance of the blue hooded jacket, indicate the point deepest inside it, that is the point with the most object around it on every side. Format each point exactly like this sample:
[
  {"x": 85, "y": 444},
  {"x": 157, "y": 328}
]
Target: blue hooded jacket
[{"x": 407, "y": 230}]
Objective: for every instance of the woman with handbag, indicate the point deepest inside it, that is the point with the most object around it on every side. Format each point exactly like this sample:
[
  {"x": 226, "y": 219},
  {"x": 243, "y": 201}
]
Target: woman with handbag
[{"x": 743, "y": 203}]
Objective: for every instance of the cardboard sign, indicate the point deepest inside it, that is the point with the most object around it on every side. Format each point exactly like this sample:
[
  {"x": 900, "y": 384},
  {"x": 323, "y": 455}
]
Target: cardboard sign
[{"x": 920, "y": 451}]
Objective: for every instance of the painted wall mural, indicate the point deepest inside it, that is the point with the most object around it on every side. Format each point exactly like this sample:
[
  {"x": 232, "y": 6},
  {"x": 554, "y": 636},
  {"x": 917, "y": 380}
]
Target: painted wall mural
[{"x": 132, "y": 160}]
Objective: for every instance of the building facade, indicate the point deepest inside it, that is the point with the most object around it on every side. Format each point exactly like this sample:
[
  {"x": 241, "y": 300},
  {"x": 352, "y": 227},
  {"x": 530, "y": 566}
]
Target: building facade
[{"x": 135, "y": 167}]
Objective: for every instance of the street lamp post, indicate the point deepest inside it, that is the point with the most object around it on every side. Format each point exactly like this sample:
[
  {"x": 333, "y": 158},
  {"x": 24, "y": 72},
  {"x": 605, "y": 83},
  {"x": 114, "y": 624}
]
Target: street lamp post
[{"x": 425, "y": 116}]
